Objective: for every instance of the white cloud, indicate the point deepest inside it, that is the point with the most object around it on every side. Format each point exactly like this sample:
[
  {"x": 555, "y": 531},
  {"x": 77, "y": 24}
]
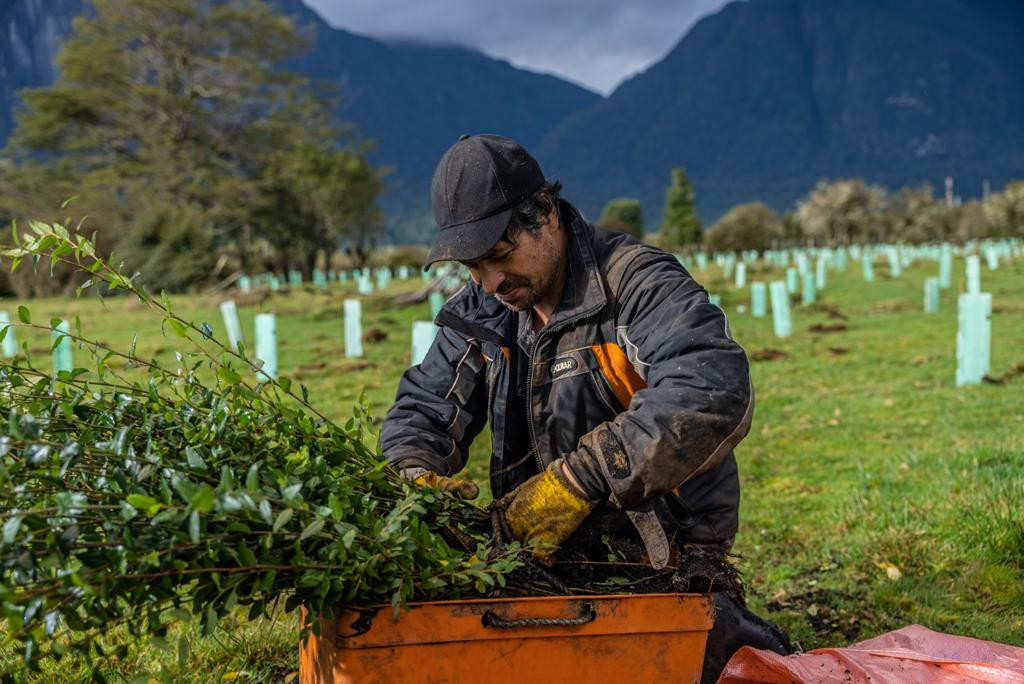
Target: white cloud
[{"x": 597, "y": 43}]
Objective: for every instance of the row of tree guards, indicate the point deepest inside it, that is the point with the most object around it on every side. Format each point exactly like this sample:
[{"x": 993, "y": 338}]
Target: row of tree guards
[
  {"x": 974, "y": 330},
  {"x": 363, "y": 279},
  {"x": 973, "y": 339}
]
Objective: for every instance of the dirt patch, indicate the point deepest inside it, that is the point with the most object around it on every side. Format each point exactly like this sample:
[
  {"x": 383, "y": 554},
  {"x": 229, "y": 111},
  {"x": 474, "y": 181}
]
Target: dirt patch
[
  {"x": 358, "y": 366},
  {"x": 827, "y": 328},
  {"x": 1015, "y": 370},
  {"x": 831, "y": 311},
  {"x": 827, "y": 611},
  {"x": 769, "y": 355},
  {"x": 838, "y": 351},
  {"x": 312, "y": 367},
  {"x": 375, "y": 335}
]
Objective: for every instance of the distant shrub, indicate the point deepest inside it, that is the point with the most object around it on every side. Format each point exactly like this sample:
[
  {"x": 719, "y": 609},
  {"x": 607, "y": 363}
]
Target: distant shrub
[
  {"x": 843, "y": 212},
  {"x": 1004, "y": 211},
  {"x": 624, "y": 215},
  {"x": 745, "y": 227}
]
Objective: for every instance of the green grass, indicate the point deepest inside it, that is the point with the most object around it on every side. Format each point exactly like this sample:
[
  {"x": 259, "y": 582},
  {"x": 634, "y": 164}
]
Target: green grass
[{"x": 875, "y": 492}]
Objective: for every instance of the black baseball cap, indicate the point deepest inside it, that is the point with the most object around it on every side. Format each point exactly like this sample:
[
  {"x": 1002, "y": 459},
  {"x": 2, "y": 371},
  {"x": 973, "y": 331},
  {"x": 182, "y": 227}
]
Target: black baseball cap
[{"x": 476, "y": 186}]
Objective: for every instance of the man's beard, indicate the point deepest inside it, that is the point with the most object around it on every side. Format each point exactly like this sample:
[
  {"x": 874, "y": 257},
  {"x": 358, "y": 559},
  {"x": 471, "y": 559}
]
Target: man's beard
[{"x": 526, "y": 302}]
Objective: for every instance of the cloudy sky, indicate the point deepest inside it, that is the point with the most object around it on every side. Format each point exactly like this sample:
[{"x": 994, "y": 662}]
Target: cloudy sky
[{"x": 596, "y": 43}]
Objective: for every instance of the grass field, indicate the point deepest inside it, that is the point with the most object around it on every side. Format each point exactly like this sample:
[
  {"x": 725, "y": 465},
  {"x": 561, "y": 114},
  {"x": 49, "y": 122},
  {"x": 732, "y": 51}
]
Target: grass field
[{"x": 875, "y": 493}]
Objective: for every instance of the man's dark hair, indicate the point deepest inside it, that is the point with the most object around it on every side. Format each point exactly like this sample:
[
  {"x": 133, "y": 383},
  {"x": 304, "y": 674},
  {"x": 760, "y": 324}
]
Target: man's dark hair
[{"x": 531, "y": 214}]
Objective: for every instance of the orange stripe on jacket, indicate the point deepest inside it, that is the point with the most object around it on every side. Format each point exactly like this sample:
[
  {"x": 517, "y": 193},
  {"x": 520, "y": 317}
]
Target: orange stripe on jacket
[{"x": 618, "y": 371}]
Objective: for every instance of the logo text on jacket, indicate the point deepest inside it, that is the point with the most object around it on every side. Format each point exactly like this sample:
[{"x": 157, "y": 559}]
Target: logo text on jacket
[{"x": 562, "y": 366}]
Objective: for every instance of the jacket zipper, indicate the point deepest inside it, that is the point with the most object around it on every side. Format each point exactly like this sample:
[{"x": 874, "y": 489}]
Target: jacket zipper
[
  {"x": 529, "y": 382},
  {"x": 529, "y": 405},
  {"x": 493, "y": 389}
]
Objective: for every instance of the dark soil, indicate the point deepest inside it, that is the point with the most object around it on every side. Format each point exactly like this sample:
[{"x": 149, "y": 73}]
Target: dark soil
[
  {"x": 827, "y": 611},
  {"x": 692, "y": 568},
  {"x": 838, "y": 351},
  {"x": 825, "y": 328},
  {"x": 769, "y": 355},
  {"x": 374, "y": 335},
  {"x": 1015, "y": 370},
  {"x": 832, "y": 311}
]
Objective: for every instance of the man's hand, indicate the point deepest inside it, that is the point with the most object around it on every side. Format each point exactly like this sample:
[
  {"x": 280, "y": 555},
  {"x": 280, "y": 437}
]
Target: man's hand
[
  {"x": 464, "y": 489},
  {"x": 546, "y": 508}
]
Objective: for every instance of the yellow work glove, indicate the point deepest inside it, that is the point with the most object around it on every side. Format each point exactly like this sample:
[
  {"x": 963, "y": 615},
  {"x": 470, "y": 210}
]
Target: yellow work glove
[
  {"x": 464, "y": 489},
  {"x": 545, "y": 508}
]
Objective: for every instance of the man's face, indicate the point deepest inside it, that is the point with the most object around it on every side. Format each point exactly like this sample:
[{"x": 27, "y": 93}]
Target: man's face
[{"x": 525, "y": 272}]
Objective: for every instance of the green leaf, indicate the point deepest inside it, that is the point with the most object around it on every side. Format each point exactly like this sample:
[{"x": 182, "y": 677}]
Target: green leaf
[
  {"x": 24, "y": 316},
  {"x": 142, "y": 501},
  {"x": 312, "y": 528},
  {"x": 195, "y": 461},
  {"x": 265, "y": 512},
  {"x": 193, "y": 526},
  {"x": 11, "y": 529},
  {"x": 348, "y": 538},
  {"x": 282, "y": 519},
  {"x": 246, "y": 555},
  {"x": 229, "y": 376},
  {"x": 178, "y": 327},
  {"x": 184, "y": 649},
  {"x": 252, "y": 477},
  {"x": 211, "y": 621},
  {"x": 202, "y": 500}
]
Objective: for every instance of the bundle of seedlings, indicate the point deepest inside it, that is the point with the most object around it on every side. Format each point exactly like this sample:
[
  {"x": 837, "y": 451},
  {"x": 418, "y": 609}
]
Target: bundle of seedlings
[{"x": 140, "y": 495}]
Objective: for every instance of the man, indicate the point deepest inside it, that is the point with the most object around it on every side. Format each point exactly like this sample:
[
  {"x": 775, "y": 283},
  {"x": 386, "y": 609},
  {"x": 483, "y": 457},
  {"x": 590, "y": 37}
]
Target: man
[{"x": 614, "y": 391}]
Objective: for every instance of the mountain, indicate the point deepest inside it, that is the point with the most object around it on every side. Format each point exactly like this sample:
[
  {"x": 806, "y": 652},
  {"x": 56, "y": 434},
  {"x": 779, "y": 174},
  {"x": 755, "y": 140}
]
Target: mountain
[
  {"x": 411, "y": 101},
  {"x": 32, "y": 31},
  {"x": 764, "y": 98},
  {"x": 758, "y": 102}
]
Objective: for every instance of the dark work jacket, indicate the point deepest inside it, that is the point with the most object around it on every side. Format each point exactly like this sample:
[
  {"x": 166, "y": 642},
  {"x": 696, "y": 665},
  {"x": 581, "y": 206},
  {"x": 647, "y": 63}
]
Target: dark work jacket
[{"x": 635, "y": 380}]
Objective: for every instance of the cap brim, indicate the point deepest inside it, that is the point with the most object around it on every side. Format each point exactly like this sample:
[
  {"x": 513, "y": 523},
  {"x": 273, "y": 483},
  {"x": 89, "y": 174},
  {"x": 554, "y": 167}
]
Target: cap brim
[{"x": 468, "y": 240}]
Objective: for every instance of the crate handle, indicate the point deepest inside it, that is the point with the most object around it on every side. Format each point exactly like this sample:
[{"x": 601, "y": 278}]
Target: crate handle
[{"x": 587, "y": 615}]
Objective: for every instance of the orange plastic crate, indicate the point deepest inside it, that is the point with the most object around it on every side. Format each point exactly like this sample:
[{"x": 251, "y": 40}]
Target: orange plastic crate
[{"x": 620, "y": 638}]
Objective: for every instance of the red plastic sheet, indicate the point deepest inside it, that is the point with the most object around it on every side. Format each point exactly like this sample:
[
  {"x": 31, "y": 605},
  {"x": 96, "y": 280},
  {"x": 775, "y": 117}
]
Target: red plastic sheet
[{"x": 911, "y": 654}]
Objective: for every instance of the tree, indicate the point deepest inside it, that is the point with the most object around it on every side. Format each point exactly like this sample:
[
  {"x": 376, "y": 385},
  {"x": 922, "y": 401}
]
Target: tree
[
  {"x": 1004, "y": 211},
  {"x": 624, "y": 215},
  {"x": 913, "y": 215},
  {"x": 319, "y": 200},
  {"x": 745, "y": 226},
  {"x": 168, "y": 112},
  {"x": 843, "y": 212},
  {"x": 680, "y": 226},
  {"x": 792, "y": 231}
]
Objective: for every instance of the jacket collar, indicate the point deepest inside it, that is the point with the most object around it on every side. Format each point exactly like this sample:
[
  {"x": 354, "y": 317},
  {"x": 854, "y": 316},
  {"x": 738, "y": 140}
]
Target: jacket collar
[{"x": 477, "y": 315}]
